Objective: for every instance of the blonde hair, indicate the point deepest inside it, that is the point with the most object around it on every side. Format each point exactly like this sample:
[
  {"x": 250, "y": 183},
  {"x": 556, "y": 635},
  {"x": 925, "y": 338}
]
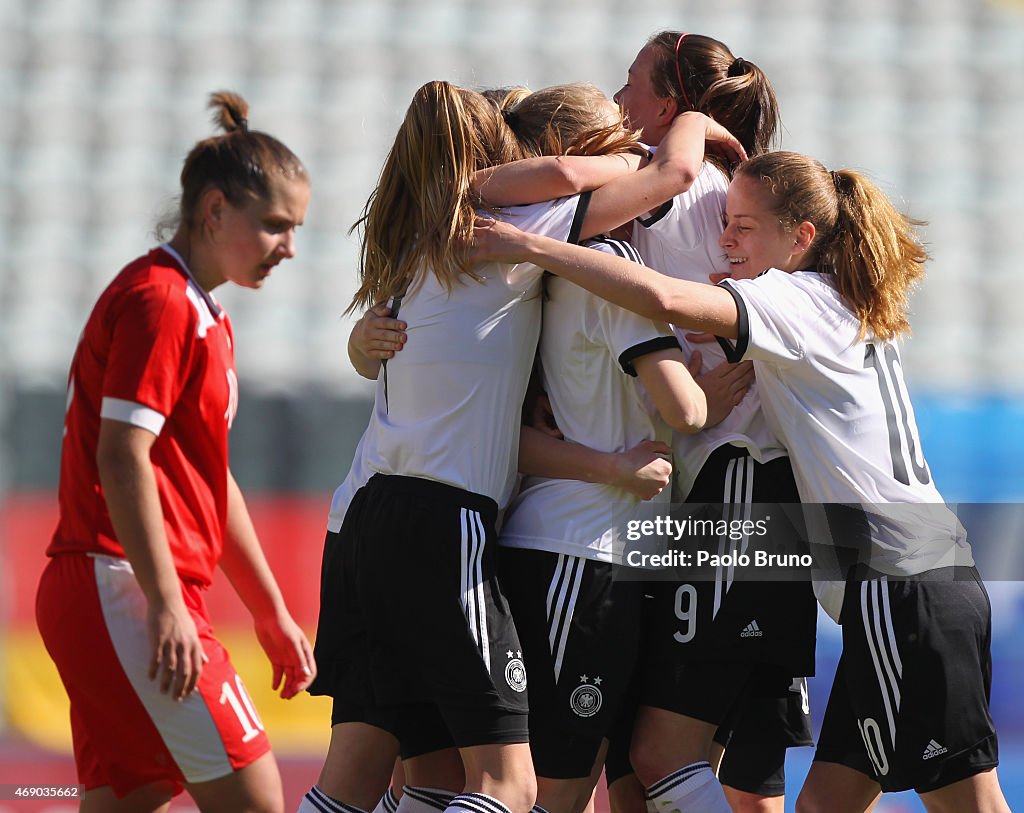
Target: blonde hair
[
  {"x": 871, "y": 248},
  {"x": 572, "y": 119},
  {"x": 420, "y": 216},
  {"x": 505, "y": 97}
]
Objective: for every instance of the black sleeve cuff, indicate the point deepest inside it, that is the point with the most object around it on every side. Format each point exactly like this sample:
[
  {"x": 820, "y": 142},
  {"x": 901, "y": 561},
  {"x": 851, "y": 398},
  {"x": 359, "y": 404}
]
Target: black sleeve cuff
[
  {"x": 627, "y": 357},
  {"x": 578, "y": 218},
  {"x": 658, "y": 214},
  {"x": 736, "y": 352}
]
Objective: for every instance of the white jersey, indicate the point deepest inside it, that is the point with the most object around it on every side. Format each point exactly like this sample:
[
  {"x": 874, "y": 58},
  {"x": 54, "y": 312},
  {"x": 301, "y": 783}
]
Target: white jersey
[
  {"x": 840, "y": 405},
  {"x": 448, "y": 406},
  {"x": 359, "y": 474},
  {"x": 680, "y": 240},
  {"x": 587, "y": 350}
]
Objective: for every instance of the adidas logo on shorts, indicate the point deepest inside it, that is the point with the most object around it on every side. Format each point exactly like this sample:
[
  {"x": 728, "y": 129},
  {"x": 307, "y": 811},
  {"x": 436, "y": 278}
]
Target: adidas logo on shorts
[
  {"x": 933, "y": 749},
  {"x": 752, "y": 631}
]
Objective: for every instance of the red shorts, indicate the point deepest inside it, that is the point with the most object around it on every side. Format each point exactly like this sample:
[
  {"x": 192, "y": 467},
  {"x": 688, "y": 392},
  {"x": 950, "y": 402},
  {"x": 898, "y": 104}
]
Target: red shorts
[{"x": 91, "y": 613}]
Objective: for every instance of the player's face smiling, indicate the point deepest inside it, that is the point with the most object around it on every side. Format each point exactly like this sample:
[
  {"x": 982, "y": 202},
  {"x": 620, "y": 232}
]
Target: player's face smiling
[
  {"x": 754, "y": 239},
  {"x": 640, "y": 106},
  {"x": 255, "y": 237}
]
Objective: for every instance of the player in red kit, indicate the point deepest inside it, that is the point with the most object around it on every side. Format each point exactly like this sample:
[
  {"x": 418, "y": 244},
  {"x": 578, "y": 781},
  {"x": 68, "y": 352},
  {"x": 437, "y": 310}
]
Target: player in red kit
[{"x": 149, "y": 508}]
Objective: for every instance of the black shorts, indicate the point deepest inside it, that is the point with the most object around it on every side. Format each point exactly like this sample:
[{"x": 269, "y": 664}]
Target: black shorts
[
  {"x": 620, "y": 735},
  {"x": 411, "y": 613},
  {"x": 713, "y": 691},
  {"x": 731, "y": 617},
  {"x": 909, "y": 705},
  {"x": 578, "y": 626},
  {"x": 755, "y": 747},
  {"x": 419, "y": 728},
  {"x": 729, "y": 613},
  {"x": 756, "y": 737}
]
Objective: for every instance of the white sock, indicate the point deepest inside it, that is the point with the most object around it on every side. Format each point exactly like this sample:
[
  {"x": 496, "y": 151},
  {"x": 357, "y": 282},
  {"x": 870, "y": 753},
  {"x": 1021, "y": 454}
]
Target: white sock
[
  {"x": 316, "y": 801},
  {"x": 476, "y": 803},
  {"x": 424, "y": 800},
  {"x": 693, "y": 789},
  {"x": 388, "y": 802}
]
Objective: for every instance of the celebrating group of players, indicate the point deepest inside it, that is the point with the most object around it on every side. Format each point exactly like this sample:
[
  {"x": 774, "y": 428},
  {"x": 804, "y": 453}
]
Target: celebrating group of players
[{"x": 477, "y": 625}]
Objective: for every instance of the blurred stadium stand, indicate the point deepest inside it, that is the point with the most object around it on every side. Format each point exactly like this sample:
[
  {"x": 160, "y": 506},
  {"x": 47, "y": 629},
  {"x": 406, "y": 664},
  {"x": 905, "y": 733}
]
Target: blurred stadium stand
[{"x": 100, "y": 100}]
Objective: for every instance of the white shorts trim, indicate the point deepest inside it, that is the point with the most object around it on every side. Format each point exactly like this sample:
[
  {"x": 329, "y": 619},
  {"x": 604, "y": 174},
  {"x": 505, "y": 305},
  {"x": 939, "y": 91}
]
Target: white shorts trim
[{"x": 186, "y": 727}]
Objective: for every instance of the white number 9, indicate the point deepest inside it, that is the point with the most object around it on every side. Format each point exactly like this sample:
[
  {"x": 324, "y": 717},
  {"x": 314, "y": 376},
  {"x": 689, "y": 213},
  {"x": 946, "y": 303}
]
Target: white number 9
[{"x": 686, "y": 611}]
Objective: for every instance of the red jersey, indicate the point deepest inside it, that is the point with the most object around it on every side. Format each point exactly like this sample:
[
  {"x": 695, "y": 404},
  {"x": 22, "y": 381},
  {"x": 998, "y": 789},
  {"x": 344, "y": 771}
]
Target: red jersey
[{"x": 156, "y": 352}]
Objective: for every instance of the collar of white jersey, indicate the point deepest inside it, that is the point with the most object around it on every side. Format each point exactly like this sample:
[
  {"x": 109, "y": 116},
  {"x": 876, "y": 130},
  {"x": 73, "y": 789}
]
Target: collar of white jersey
[{"x": 211, "y": 303}]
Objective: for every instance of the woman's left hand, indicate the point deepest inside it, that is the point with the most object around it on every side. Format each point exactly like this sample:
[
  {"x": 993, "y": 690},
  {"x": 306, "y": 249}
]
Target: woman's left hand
[
  {"x": 716, "y": 137},
  {"x": 644, "y": 470},
  {"x": 497, "y": 241},
  {"x": 724, "y": 387},
  {"x": 289, "y": 652},
  {"x": 376, "y": 335}
]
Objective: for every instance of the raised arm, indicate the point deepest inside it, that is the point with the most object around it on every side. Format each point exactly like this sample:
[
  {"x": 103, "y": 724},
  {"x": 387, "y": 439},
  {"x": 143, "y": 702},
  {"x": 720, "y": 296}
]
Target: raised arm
[
  {"x": 619, "y": 194},
  {"x": 675, "y": 166},
  {"x": 690, "y": 305},
  {"x": 532, "y": 180}
]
